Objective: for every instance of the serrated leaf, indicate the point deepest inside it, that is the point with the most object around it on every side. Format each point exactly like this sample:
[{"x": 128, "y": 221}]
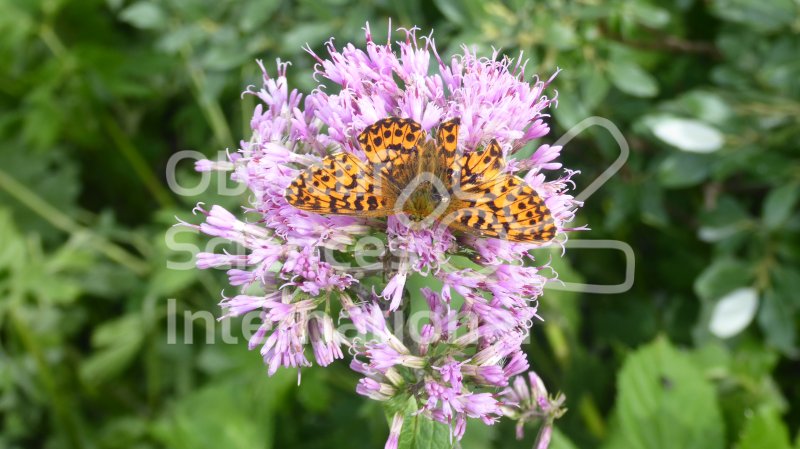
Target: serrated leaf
[{"x": 665, "y": 402}]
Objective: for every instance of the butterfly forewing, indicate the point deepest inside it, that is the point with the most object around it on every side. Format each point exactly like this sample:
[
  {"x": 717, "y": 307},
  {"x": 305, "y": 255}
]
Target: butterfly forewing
[{"x": 343, "y": 185}]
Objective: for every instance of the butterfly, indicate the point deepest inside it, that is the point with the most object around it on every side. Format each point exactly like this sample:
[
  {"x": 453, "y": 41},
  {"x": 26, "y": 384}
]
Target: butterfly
[{"x": 422, "y": 182}]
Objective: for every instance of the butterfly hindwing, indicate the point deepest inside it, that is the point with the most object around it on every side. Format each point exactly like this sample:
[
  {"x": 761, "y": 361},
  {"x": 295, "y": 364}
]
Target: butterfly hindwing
[
  {"x": 476, "y": 168},
  {"x": 514, "y": 212},
  {"x": 341, "y": 185},
  {"x": 491, "y": 203}
]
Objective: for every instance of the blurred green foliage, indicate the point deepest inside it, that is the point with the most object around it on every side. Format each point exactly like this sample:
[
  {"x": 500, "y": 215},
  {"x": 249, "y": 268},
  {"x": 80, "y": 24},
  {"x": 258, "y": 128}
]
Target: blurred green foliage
[{"x": 97, "y": 94}]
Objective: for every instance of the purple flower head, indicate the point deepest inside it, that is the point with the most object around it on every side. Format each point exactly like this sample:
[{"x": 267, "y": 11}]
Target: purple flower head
[{"x": 293, "y": 267}]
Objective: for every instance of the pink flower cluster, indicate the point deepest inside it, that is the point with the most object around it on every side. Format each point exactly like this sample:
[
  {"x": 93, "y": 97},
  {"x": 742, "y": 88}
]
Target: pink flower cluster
[{"x": 289, "y": 265}]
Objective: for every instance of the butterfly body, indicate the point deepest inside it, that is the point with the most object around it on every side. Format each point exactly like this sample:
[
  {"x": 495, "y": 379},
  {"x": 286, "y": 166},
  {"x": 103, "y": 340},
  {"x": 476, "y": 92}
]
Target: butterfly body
[{"x": 408, "y": 175}]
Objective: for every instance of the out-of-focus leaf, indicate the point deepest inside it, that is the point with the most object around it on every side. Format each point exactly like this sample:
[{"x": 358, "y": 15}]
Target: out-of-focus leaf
[
  {"x": 631, "y": 78},
  {"x": 722, "y": 277},
  {"x": 664, "y": 401},
  {"x": 727, "y": 218},
  {"x": 257, "y": 13},
  {"x": 776, "y": 318},
  {"x": 688, "y": 135},
  {"x": 764, "y": 16},
  {"x": 145, "y": 15},
  {"x": 235, "y": 414},
  {"x": 306, "y": 33},
  {"x": 561, "y": 441},
  {"x": 682, "y": 170},
  {"x": 734, "y": 312},
  {"x": 706, "y": 106},
  {"x": 648, "y": 14},
  {"x": 779, "y": 205},
  {"x": 116, "y": 343},
  {"x": 12, "y": 251},
  {"x": 765, "y": 429}
]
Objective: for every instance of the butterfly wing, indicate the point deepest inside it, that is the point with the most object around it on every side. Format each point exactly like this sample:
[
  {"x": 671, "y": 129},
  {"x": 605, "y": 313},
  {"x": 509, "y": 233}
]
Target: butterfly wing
[
  {"x": 447, "y": 142},
  {"x": 391, "y": 142},
  {"x": 342, "y": 185},
  {"x": 490, "y": 203}
]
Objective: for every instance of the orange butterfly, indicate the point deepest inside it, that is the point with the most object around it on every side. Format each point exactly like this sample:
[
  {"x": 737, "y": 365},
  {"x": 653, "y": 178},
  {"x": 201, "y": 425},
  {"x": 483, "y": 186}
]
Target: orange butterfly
[{"x": 410, "y": 176}]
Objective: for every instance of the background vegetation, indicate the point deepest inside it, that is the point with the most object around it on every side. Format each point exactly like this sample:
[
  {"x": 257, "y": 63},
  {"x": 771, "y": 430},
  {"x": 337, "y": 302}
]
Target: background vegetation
[{"x": 97, "y": 94}]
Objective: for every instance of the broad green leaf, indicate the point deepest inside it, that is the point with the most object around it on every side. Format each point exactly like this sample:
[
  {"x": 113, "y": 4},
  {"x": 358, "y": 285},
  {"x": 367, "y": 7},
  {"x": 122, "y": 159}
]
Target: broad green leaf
[
  {"x": 776, "y": 318},
  {"x": 145, "y": 15},
  {"x": 665, "y": 402},
  {"x": 733, "y": 312},
  {"x": 631, "y": 78},
  {"x": 722, "y": 277},
  {"x": 685, "y": 134},
  {"x": 765, "y": 429},
  {"x": 682, "y": 170},
  {"x": 779, "y": 205},
  {"x": 760, "y": 15},
  {"x": 420, "y": 432},
  {"x": 648, "y": 14},
  {"x": 705, "y": 106}
]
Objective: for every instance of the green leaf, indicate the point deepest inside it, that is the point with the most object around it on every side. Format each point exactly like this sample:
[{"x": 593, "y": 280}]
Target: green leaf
[
  {"x": 649, "y": 15},
  {"x": 727, "y": 218},
  {"x": 12, "y": 251},
  {"x": 682, "y": 170},
  {"x": 722, "y": 277},
  {"x": 765, "y": 429},
  {"x": 777, "y": 321},
  {"x": 779, "y": 205},
  {"x": 234, "y": 414},
  {"x": 256, "y": 13},
  {"x": 420, "y": 432},
  {"x": 561, "y": 441},
  {"x": 145, "y": 15},
  {"x": 689, "y": 135},
  {"x": 631, "y": 78},
  {"x": 117, "y": 342},
  {"x": 665, "y": 402},
  {"x": 762, "y": 16},
  {"x": 706, "y": 106}
]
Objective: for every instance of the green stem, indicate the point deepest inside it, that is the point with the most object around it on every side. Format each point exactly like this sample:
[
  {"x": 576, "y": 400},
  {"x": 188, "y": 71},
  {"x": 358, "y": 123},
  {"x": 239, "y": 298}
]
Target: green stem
[
  {"x": 210, "y": 107},
  {"x": 64, "y": 223},
  {"x": 138, "y": 163}
]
